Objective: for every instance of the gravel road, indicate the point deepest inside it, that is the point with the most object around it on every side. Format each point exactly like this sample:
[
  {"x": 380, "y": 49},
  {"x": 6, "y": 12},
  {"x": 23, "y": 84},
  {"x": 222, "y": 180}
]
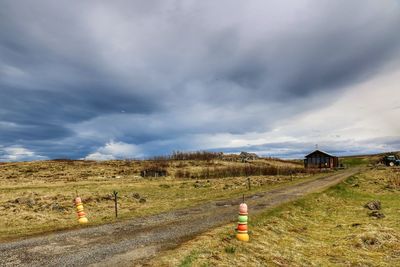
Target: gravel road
[{"x": 133, "y": 241}]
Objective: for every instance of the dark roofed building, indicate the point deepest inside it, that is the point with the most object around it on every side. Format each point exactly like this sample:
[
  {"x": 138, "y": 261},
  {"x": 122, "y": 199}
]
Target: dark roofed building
[{"x": 321, "y": 160}]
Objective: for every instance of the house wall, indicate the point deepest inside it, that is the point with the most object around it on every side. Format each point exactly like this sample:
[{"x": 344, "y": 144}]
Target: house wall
[{"x": 320, "y": 160}]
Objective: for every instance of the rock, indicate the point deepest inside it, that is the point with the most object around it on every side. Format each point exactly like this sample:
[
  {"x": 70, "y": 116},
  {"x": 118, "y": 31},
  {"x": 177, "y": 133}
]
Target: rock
[
  {"x": 57, "y": 207},
  {"x": 226, "y": 186},
  {"x": 373, "y": 205},
  {"x": 196, "y": 185},
  {"x": 376, "y": 214},
  {"x": 245, "y": 156},
  {"x": 107, "y": 197},
  {"x": 21, "y": 200},
  {"x": 88, "y": 200},
  {"x": 142, "y": 200},
  {"x": 390, "y": 187},
  {"x": 370, "y": 240},
  {"x": 136, "y": 195},
  {"x": 25, "y": 201},
  {"x": 31, "y": 202}
]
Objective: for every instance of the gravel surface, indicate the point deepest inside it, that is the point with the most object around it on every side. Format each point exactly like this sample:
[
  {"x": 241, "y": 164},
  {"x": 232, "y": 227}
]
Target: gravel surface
[{"x": 134, "y": 241}]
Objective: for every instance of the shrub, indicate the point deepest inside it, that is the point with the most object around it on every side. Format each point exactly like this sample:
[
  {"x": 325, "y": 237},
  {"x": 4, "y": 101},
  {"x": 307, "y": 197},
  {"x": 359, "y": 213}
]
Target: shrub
[
  {"x": 197, "y": 155},
  {"x": 247, "y": 170}
]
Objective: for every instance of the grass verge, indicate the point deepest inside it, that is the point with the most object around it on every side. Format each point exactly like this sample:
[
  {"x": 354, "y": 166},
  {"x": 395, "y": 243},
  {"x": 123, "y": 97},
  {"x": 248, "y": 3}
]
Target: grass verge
[{"x": 331, "y": 228}]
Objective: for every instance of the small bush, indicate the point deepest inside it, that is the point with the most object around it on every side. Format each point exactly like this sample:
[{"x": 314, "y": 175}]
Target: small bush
[{"x": 230, "y": 249}]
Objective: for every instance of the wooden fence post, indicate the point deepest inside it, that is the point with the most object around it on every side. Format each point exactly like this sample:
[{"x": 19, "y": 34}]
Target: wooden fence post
[{"x": 116, "y": 203}]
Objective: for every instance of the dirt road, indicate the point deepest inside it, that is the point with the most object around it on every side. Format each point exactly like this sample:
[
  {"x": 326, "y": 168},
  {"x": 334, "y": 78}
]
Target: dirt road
[{"x": 133, "y": 241}]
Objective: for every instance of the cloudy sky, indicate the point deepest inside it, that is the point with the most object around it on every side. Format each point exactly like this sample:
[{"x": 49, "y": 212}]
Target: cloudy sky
[{"x": 132, "y": 79}]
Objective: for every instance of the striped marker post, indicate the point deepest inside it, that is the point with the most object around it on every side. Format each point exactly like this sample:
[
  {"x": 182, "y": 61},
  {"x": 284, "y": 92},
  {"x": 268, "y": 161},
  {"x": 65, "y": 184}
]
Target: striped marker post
[
  {"x": 241, "y": 230},
  {"x": 79, "y": 209}
]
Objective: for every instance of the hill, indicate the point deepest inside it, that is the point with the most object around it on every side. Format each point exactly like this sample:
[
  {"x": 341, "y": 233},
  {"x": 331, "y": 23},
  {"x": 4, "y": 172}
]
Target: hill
[{"x": 39, "y": 194}]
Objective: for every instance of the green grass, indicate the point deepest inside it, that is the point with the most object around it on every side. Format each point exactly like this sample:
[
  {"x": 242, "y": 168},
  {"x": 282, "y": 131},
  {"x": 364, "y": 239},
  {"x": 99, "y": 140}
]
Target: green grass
[
  {"x": 230, "y": 249},
  {"x": 354, "y": 161},
  {"x": 189, "y": 259},
  {"x": 331, "y": 228}
]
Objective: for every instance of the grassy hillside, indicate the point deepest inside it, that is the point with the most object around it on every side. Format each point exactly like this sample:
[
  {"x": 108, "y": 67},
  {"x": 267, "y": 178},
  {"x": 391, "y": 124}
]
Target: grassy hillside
[
  {"x": 352, "y": 161},
  {"x": 332, "y": 228},
  {"x": 355, "y": 161},
  {"x": 37, "y": 197}
]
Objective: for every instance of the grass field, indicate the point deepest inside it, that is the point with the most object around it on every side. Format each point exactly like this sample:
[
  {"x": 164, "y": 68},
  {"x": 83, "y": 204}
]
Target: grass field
[
  {"x": 331, "y": 228},
  {"x": 352, "y": 161},
  {"x": 36, "y": 197}
]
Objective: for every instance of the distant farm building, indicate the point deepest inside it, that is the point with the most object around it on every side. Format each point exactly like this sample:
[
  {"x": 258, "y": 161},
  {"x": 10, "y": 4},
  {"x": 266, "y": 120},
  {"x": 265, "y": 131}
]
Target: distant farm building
[{"x": 321, "y": 160}]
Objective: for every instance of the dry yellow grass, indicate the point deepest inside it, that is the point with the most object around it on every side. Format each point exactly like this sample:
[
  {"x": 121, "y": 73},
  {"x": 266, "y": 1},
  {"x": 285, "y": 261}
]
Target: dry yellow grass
[
  {"x": 394, "y": 178},
  {"x": 331, "y": 228},
  {"x": 36, "y": 197}
]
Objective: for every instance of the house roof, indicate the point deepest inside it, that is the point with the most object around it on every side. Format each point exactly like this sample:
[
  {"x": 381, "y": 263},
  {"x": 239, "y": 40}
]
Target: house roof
[{"x": 323, "y": 152}]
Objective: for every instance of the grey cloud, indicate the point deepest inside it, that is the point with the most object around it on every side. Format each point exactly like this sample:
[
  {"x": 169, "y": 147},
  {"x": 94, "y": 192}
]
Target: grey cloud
[
  {"x": 297, "y": 150},
  {"x": 43, "y": 113},
  {"x": 29, "y": 132},
  {"x": 150, "y": 72}
]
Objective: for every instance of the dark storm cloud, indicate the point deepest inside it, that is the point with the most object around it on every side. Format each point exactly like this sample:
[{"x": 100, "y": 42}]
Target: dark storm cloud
[
  {"x": 28, "y": 132},
  {"x": 43, "y": 114},
  {"x": 157, "y": 73}
]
